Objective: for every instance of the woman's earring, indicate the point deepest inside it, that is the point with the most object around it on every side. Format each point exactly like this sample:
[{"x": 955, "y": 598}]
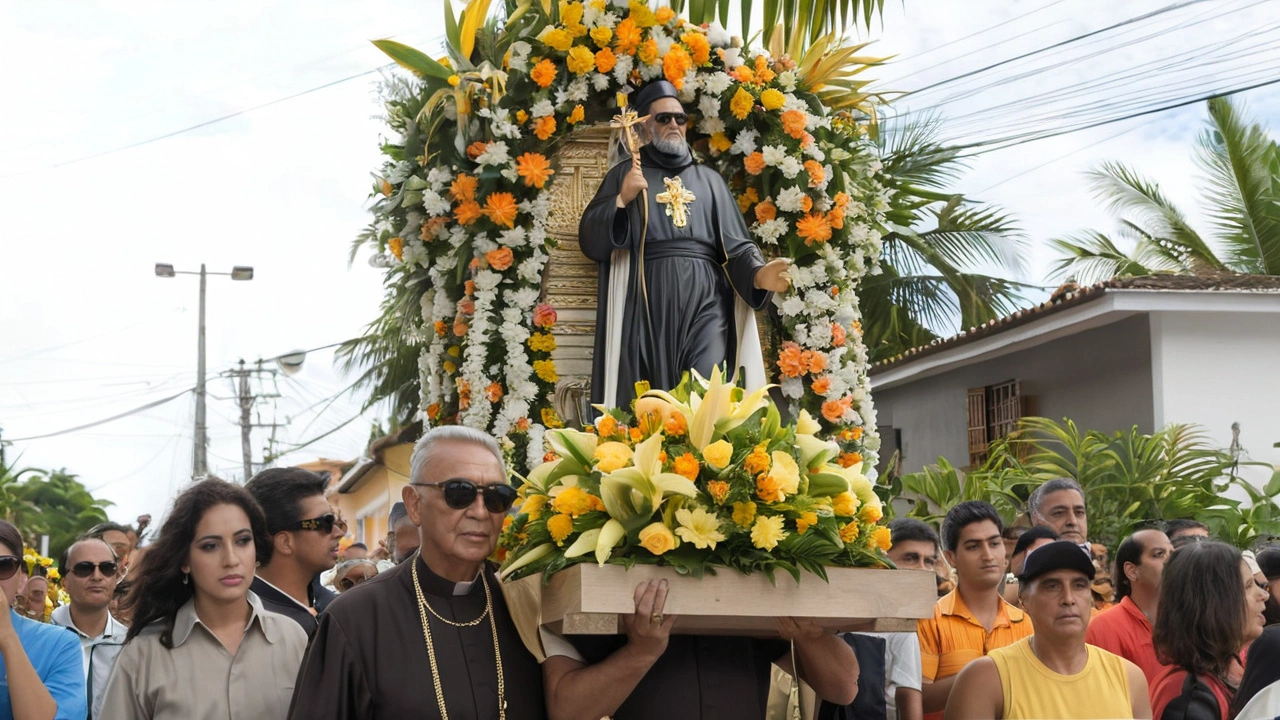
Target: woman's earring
[{"x": 186, "y": 577}]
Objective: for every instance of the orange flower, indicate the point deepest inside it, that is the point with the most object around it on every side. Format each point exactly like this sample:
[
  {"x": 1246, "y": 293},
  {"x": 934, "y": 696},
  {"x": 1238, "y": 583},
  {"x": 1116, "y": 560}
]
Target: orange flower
[
  {"x": 499, "y": 259},
  {"x": 493, "y": 392},
  {"x": 821, "y": 385},
  {"x": 817, "y": 361},
  {"x": 806, "y": 140},
  {"x": 793, "y": 123},
  {"x": 838, "y": 336},
  {"x": 814, "y": 228},
  {"x": 605, "y": 60},
  {"x": 758, "y": 461},
  {"x": 544, "y": 73},
  {"x": 806, "y": 521},
  {"x": 849, "y": 459},
  {"x": 544, "y": 127},
  {"x": 699, "y": 47},
  {"x": 433, "y": 411},
  {"x": 535, "y": 169},
  {"x": 432, "y": 227},
  {"x": 500, "y": 208},
  {"x": 806, "y": 203},
  {"x": 882, "y": 537},
  {"x": 396, "y": 246},
  {"x": 743, "y": 73},
  {"x": 688, "y": 466},
  {"x": 459, "y": 328},
  {"x": 675, "y": 426},
  {"x": 766, "y": 211},
  {"x": 769, "y": 489},
  {"x": 836, "y": 218},
  {"x": 855, "y": 434},
  {"x": 841, "y": 199},
  {"x": 522, "y": 425},
  {"x": 469, "y": 287},
  {"x": 764, "y": 75},
  {"x": 636, "y": 434},
  {"x": 476, "y": 149},
  {"x": 440, "y": 328},
  {"x": 521, "y": 116},
  {"x": 649, "y": 51},
  {"x": 833, "y": 410},
  {"x": 754, "y": 163},
  {"x": 463, "y": 188},
  {"x": 626, "y": 37},
  {"x": 607, "y": 426},
  {"x": 719, "y": 490},
  {"x": 675, "y": 64},
  {"x": 577, "y": 115},
  {"x": 467, "y": 212},
  {"x": 544, "y": 316},
  {"x": 791, "y": 360},
  {"x": 816, "y": 173},
  {"x": 663, "y": 15},
  {"x": 747, "y": 199},
  {"x": 467, "y": 307}
]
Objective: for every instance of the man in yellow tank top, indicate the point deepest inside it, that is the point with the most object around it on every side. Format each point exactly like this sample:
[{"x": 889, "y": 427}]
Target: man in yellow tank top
[{"x": 1052, "y": 674}]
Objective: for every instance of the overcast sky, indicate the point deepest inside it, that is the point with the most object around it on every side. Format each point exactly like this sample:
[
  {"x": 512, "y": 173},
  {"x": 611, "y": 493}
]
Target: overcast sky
[{"x": 89, "y": 331}]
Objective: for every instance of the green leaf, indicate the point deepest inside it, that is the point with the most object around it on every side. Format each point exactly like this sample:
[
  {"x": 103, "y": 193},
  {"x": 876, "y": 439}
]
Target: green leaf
[
  {"x": 413, "y": 60},
  {"x": 451, "y": 32}
]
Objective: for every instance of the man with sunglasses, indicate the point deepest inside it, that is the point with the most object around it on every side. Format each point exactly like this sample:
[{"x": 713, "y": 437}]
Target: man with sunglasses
[
  {"x": 90, "y": 572},
  {"x": 304, "y": 543},
  {"x": 431, "y": 637},
  {"x": 680, "y": 275}
]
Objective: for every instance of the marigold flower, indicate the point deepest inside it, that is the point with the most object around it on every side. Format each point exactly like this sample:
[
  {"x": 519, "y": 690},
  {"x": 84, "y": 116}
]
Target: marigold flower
[
  {"x": 720, "y": 142},
  {"x": 521, "y": 116},
  {"x": 719, "y": 490},
  {"x": 544, "y": 73},
  {"x": 545, "y": 370},
  {"x": 648, "y": 52},
  {"x": 833, "y": 410},
  {"x": 440, "y": 328},
  {"x": 464, "y": 394},
  {"x": 606, "y": 60},
  {"x": 396, "y": 246},
  {"x": 747, "y": 199},
  {"x": 870, "y": 513},
  {"x": 476, "y": 149},
  {"x": 754, "y": 163},
  {"x": 841, "y": 199},
  {"x": 560, "y": 526},
  {"x": 463, "y": 188},
  {"x": 544, "y": 316},
  {"x": 499, "y": 259},
  {"x": 817, "y": 361},
  {"x": 699, "y": 527},
  {"x": 806, "y": 203},
  {"x": 718, "y": 454},
  {"x": 836, "y": 217},
  {"x": 772, "y": 99},
  {"x": 845, "y": 504},
  {"x": 688, "y": 466},
  {"x": 676, "y": 425},
  {"x": 607, "y": 425},
  {"x": 601, "y": 36},
  {"x": 850, "y": 459},
  {"x": 542, "y": 342},
  {"x": 769, "y": 489},
  {"x": 581, "y": 60},
  {"x": 459, "y": 328},
  {"x": 501, "y": 209},
  {"x": 741, "y": 104},
  {"x": 573, "y": 501},
  {"x": 559, "y": 39},
  {"x": 577, "y": 115},
  {"x": 793, "y": 122},
  {"x": 791, "y": 360},
  {"x": 758, "y": 461},
  {"x": 636, "y": 434},
  {"x": 433, "y": 411},
  {"x": 663, "y": 15},
  {"x": 551, "y": 419},
  {"x": 882, "y": 538},
  {"x": 744, "y": 513},
  {"x": 544, "y": 127},
  {"x": 816, "y": 173},
  {"x": 849, "y": 533},
  {"x": 535, "y": 169},
  {"x": 657, "y": 538},
  {"x": 806, "y": 521},
  {"x": 626, "y": 36},
  {"x": 522, "y": 425},
  {"x": 743, "y": 73},
  {"x": 493, "y": 392},
  {"x": 814, "y": 228},
  {"x": 767, "y": 532},
  {"x": 821, "y": 385},
  {"x": 699, "y": 47},
  {"x": 675, "y": 64},
  {"x": 766, "y": 211}
]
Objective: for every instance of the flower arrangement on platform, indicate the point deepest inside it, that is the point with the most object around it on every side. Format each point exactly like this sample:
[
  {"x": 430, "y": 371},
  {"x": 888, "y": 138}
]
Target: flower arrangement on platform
[
  {"x": 701, "y": 477},
  {"x": 461, "y": 214}
]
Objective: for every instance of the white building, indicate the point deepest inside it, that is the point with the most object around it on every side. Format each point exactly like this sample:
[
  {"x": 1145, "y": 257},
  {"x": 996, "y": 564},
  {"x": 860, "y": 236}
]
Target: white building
[{"x": 1143, "y": 351}]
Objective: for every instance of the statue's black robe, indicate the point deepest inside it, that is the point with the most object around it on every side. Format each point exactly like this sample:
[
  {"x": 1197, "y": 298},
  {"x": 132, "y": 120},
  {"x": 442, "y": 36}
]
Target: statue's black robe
[
  {"x": 690, "y": 275},
  {"x": 368, "y": 659}
]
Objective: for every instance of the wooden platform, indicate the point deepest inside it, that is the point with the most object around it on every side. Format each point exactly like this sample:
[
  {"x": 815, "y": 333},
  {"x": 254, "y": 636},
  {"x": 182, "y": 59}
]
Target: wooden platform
[{"x": 587, "y": 599}]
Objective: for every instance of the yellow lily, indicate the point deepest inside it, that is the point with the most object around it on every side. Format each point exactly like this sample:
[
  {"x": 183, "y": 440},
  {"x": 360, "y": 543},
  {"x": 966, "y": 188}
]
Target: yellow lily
[
  {"x": 610, "y": 535},
  {"x": 714, "y": 413},
  {"x": 585, "y": 543},
  {"x": 814, "y": 452},
  {"x": 579, "y": 448},
  {"x": 632, "y": 494},
  {"x": 527, "y": 558}
]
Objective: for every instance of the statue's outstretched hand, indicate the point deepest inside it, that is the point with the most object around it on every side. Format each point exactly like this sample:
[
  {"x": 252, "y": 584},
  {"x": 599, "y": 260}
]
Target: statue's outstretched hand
[{"x": 774, "y": 276}]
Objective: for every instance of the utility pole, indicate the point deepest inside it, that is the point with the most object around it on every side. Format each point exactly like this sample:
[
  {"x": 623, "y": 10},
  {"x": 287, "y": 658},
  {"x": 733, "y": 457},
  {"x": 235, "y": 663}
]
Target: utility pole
[{"x": 246, "y": 398}]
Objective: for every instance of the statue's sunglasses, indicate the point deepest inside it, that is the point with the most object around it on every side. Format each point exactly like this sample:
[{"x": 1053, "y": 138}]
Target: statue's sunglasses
[
  {"x": 665, "y": 117},
  {"x": 459, "y": 494},
  {"x": 9, "y": 565}
]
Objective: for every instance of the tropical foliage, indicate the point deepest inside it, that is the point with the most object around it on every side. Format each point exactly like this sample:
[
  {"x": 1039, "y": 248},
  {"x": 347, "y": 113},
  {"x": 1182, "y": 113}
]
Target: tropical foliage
[
  {"x": 1129, "y": 478},
  {"x": 54, "y": 503},
  {"x": 702, "y": 477},
  {"x": 1240, "y": 191}
]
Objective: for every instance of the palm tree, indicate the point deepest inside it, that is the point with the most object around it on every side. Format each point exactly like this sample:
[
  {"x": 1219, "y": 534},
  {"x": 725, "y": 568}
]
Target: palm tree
[
  {"x": 1241, "y": 192},
  {"x": 938, "y": 245},
  {"x": 798, "y": 21}
]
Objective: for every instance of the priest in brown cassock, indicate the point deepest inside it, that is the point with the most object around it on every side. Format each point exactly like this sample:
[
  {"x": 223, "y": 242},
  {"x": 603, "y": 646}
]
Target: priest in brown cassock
[
  {"x": 431, "y": 638},
  {"x": 679, "y": 273}
]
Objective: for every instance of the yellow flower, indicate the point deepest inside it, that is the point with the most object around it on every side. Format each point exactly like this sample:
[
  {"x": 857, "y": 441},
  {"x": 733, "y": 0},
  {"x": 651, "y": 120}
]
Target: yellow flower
[
  {"x": 718, "y": 454},
  {"x": 542, "y": 342},
  {"x": 849, "y": 532},
  {"x": 719, "y": 490},
  {"x": 581, "y": 60},
  {"x": 454, "y": 80},
  {"x": 844, "y": 504},
  {"x": 767, "y": 532},
  {"x": 573, "y": 501},
  {"x": 601, "y": 36},
  {"x": 664, "y": 15},
  {"x": 649, "y": 51},
  {"x": 721, "y": 142},
  {"x": 786, "y": 472},
  {"x": 758, "y": 461},
  {"x": 545, "y": 370},
  {"x": 688, "y": 466},
  {"x": 521, "y": 115},
  {"x": 772, "y": 99},
  {"x": 450, "y": 366},
  {"x": 806, "y": 521},
  {"x": 571, "y": 12},
  {"x": 558, "y": 39},
  {"x": 806, "y": 425},
  {"x": 533, "y": 506},
  {"x": 882, "y": 538},
  {"x": 870, "y": 513},
  {"x": 741, "y": 104},
  {"x": 577, "y": 115},
  {"x": 699, "y": 527},
  {"x": 640, "y": 14},
  {"x": 612, "y": 456},
  {"x": 560, "y": 526},
  {"x": 396, "y": 246},
  {"x": 551, "y": 419},
  {"x": 744, "y": 513},
  {"x": 657, "y": 538}
]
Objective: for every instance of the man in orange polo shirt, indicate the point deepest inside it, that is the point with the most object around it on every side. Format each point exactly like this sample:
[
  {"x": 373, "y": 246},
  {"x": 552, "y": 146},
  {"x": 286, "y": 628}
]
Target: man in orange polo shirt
[
  {"x": 1126, "y": 628},
  {"x": 973, "y": 619}
]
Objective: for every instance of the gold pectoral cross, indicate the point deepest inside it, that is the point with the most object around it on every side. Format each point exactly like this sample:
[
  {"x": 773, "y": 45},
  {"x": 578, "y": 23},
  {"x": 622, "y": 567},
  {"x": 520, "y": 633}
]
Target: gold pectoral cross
[{"x": 677, "y": 198}]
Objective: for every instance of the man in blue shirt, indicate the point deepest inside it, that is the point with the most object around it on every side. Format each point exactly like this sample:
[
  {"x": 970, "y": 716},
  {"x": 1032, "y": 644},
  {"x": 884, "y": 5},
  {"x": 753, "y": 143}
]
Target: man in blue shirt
[{"x": 40, "y": 664}]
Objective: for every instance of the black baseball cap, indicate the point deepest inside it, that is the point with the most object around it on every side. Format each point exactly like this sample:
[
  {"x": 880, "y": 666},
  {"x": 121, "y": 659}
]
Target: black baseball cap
[{"x": 1057, "y": 555}]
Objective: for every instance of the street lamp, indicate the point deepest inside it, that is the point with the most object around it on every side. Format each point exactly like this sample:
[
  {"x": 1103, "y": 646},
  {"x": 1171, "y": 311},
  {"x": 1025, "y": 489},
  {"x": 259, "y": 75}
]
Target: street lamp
[{"x": 200, "y": 461}]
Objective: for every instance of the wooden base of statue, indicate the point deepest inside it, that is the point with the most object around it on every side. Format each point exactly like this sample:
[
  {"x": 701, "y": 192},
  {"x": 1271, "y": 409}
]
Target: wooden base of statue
[{"x": 588, "y": 599}]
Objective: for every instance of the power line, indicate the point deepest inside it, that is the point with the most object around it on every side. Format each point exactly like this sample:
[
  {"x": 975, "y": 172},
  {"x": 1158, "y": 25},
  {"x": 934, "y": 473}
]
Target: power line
[
  {"x": 96, "y": 423},
  {"x": 1051, "y": 161}
]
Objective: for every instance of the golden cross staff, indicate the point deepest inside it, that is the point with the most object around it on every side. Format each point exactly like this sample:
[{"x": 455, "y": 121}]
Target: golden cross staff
[{"x": 626, "y": 120}]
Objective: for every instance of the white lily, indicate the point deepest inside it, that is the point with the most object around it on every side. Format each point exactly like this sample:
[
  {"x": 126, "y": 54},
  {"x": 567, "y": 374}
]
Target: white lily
[
  {"x": 585, "y": 543},
  {"x": 572, "y": 445},
  {"x": 710, "y": 415},
  {"x": 632, "y": 494},
  {"x": 610, "y": 535},
  {"x": 527, "y": 558},
  {"x": 815, "y": 452}
]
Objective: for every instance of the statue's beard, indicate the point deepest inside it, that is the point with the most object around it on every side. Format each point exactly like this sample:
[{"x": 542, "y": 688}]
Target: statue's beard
[{"x": 674, "y": 146}]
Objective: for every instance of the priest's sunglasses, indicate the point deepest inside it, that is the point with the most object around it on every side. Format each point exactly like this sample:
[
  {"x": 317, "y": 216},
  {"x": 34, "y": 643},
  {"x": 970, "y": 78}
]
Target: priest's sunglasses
[
  {"x": 325, "y": 524},
  {"x": 663, "y": 118},
  {"x": 459, "y": 494},
  {"x": 9, "y": 565},
  {"x": 84, "y": 568}
]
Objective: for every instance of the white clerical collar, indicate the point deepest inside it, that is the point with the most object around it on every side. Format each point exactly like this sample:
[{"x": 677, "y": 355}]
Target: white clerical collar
[{"x": 464, "y": 588}]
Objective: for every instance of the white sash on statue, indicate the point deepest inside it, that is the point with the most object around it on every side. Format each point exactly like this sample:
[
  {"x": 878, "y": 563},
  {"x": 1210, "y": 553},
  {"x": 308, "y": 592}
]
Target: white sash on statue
[
  {"x": 619, "y": 277},
  {"x": 750, "y": 354}
]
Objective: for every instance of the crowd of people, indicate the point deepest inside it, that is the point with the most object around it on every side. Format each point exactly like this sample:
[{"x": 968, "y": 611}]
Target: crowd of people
[{"x": 249, "y": 603}]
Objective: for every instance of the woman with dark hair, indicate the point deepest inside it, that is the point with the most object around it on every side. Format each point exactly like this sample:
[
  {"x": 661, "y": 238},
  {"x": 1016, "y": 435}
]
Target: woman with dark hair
[
  {"x": 40, "y": 665},
  {"x": 200, "y": 645},
  {"x": 1259, "y": 694},
  {"x": 1210, "y": 609}
]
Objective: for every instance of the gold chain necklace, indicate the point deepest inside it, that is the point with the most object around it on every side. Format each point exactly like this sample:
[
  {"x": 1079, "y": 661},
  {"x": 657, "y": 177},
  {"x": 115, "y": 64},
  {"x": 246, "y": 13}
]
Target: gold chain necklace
[{"x": 431, "y": 650}]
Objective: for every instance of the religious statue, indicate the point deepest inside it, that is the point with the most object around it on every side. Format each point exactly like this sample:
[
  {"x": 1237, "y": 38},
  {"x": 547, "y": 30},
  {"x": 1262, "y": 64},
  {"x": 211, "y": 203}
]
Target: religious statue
[{"x": 679, "y": 274}]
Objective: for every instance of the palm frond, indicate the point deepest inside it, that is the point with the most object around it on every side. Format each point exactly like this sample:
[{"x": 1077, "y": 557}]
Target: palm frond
[
  {"x": 1243, "y": 165},
  {"x": 386, "y": 356},
  {"x": 1091, "y": 257}
]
